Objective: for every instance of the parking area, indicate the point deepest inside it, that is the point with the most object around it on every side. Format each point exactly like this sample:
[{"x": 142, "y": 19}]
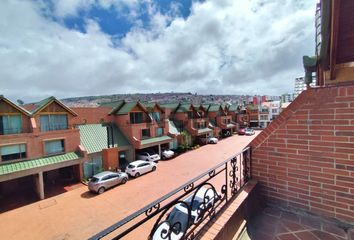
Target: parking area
[{"x": 78, "y": 214}]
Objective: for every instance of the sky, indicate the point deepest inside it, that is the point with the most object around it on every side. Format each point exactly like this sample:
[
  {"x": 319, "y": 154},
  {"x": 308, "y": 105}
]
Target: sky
[{"x": 69, "y": 48}]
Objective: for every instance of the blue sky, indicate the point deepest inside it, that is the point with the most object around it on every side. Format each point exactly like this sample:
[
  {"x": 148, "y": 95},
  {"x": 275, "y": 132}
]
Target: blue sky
[{"x": 70, "y": 48}]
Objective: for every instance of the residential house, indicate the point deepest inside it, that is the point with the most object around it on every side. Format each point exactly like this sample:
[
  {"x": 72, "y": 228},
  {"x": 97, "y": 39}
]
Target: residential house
[
  {"x": 38, "y": 146},
  {"x": 221, "y": 118},
  {"x": 144, "y": 125},
  {"x": 192, "y": 121}
]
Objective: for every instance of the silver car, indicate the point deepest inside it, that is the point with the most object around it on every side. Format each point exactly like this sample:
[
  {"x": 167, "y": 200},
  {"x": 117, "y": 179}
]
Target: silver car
[{"x": 104, "y": 180}]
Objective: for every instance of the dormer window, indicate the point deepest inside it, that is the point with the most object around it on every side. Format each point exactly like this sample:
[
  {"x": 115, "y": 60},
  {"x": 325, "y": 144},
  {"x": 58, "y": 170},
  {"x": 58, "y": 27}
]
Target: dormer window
[
  {"x": 10, "y": 124},
  {"x": 156, "y": 116},
  {"x": 53, "y": 122},
  {"x": 136, "y": 117}
]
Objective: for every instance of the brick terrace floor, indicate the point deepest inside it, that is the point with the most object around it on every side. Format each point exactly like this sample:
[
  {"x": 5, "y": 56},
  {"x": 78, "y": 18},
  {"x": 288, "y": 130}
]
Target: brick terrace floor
[{"x": 276, "y": 224}]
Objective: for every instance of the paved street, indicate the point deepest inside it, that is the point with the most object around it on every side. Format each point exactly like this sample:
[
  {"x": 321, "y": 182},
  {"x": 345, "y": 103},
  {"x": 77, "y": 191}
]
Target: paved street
[{"x": 78, "y": 214}]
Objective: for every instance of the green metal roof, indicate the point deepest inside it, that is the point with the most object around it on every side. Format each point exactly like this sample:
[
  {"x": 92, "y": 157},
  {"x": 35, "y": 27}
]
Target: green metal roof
[
  {"x": 172, "y": 106},
  {"x": 204, "y": 131},
  {"x": 126, "y": 108},
  {"x": 156, "y": 140},
  {"x": 112, "y": 104},
  {"x": 93, "y": 137},
  {"x": 34, "y": 163},
  {"x": 184, "y": 107},
  {"x": 172, "y": 128},
  {"x": 214, "y": 108},
  {"x": 148, "y": 104},
  {"x": 232, "y": 107}
]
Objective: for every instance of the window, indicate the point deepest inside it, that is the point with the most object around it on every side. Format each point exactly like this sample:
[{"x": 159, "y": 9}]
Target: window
[
  {"x": 190, "y": 114},
  {"x": 136, "y": 117},
  {"x": 53, "y": 122},
  {"x": 156, "y": 116},
  {"x": 54, "y": 147},
  {"x": 145, "y": 133},
  {"x": 10, "y": 124},
  {"x": 274, "y": 110},
  {"x": 228, "y": 121},
  {"x": 159, "y": 132},
  {"x": 13, "y": 152}
]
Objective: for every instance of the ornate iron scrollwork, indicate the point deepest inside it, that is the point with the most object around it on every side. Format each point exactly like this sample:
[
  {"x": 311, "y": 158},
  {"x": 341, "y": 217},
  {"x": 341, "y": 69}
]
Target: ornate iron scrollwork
[
  {"x": 234, "y": 179},
  {"x": 188, "y": 187},
  {"x": 245, "y": 164},
  {"x": 212, "y": 173},
  {"x": 152, "y": 210},
  {"x": 182, "y": 215}
]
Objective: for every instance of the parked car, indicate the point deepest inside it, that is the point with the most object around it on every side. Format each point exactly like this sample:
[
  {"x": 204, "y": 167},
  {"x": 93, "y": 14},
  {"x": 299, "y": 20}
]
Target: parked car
[
  {"x": 148, "y": 156},
  {"x": 241, "y": 131},
  {"x": 139, "y": 167},
  {"x": 178, "y": 217},
  {"x": 249, "y": 131},
  {"x": 207, "y": 140},
  {"x": 104, "y": 180},
  {"x": 213, "y": 140},
  {"x": 167, "y": 153}
]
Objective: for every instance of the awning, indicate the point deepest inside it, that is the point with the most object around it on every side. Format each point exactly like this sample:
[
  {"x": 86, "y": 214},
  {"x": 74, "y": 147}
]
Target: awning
[
  {"x": 230, "y": 125},
  {"x": 38, "y": 165},
  {"x": 149, "y": 142},
  {"x": 204, "y": 131}
]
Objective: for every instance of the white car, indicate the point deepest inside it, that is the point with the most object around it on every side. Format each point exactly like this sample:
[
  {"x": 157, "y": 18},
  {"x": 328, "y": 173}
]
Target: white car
[
  {"x": 166, "y": 154},
  {"x": 148, "y": 156},
  {"x": 139, "y": 167},
  {"x": 213, "y": 140},
  {"x": 249, "y": 131},
  {"x": 178, "y": 217}
]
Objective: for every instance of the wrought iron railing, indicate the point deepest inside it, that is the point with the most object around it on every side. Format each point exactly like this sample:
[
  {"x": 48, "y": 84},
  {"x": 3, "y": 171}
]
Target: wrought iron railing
[{"x": 184, "y": 212}]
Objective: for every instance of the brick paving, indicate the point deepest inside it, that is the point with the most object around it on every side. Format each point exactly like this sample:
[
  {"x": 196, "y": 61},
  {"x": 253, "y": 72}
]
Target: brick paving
[
  {"x": 78, "y": 214},
  {"x": 276, "y": 224}
]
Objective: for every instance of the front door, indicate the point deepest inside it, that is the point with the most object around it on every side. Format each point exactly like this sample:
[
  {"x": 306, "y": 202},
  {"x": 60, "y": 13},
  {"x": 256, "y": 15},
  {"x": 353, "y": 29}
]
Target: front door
[{"x": 123, "y": 163}]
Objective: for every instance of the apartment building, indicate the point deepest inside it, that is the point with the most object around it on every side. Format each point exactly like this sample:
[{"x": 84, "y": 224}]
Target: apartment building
[
  {"x": 253, "y": 113},
  {"x": 39, "y": 146}
]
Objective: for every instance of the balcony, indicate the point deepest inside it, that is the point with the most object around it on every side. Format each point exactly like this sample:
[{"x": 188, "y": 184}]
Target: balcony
[{"x": 210, "y": 193}]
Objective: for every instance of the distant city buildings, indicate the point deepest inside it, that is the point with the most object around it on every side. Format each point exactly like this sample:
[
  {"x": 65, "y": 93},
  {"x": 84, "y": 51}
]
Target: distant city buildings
[{"x": 300, "y": 85}]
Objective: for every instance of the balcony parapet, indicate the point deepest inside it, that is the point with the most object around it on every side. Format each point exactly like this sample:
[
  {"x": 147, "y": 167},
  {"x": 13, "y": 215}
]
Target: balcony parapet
[{"x": 237, "y": 173}]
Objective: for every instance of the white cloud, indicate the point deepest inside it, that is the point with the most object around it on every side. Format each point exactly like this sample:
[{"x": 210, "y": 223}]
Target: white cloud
[{"x": 234, "y": 47}]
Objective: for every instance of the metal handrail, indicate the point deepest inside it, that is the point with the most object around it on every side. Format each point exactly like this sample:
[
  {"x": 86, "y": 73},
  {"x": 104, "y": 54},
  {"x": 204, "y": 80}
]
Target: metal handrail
[{"x": 169, "y": 195}]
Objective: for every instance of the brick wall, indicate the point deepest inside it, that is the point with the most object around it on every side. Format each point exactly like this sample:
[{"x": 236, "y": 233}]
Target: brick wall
[
  {"x": 305, "y": 158},
  {"x": 92, "y": 115}
]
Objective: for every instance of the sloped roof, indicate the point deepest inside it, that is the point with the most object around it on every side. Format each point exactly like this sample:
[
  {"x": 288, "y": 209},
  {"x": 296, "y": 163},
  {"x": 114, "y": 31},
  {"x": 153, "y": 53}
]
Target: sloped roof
[
  {"x": 214, "y": 108},
  {"x": 171, "y": 106},
  {"x": 93, "y": 137},
  {"x": 39, "y": 162},
  {"x": 183, "y": 107},
  {"x": 232, "y": 107},
  {"x": 45, "y": 102},
  {"x": 21, "y": 109},
  {"x": 112, "y": 104}
]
